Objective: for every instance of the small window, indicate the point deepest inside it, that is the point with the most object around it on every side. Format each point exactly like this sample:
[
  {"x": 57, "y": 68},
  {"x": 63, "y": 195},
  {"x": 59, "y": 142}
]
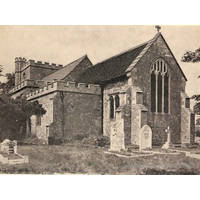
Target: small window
[
  {"x": 24, "y": 76},
  {"x": 187, "y": 103}
]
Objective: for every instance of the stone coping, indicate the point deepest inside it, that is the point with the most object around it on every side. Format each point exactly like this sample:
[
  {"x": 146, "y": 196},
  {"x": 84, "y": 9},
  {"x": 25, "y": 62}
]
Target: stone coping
[
  {"x": 65, "y": 87},
  {"x": 26, "y": 83}
]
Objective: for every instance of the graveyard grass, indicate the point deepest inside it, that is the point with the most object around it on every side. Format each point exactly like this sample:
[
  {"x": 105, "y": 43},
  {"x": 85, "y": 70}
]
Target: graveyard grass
[{"x": 76, "y": 159}]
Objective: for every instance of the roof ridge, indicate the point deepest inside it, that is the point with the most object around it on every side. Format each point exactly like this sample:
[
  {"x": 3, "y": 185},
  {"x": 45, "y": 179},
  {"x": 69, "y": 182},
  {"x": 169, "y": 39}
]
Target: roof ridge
[
  {"x": 79, "y": 60},
  {"x": 135, "y": 47},
  {"x": 75, "y": 61},
  {"x": 150, "y": 42}
]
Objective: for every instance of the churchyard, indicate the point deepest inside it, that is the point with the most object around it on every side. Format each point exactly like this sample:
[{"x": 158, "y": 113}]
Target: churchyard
[
  {"x": 100, "y": 155},
  {"x": 81, "y": 158}
]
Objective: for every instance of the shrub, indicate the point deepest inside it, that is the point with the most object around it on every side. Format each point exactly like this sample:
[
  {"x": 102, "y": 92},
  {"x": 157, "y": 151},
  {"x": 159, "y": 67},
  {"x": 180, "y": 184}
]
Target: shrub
[
  {"x": 103, "y": 141},
  {"x": 52, "y": 140}
]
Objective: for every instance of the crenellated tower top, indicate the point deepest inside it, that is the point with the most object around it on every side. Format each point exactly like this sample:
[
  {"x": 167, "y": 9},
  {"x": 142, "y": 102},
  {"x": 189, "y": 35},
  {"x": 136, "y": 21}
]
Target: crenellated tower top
[{"x": 38, "y": 72}]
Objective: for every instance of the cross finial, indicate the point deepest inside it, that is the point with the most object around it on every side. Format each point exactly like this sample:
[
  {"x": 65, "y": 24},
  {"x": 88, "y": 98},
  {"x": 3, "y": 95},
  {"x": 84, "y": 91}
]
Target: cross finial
[{"x": 158, "y": 28}]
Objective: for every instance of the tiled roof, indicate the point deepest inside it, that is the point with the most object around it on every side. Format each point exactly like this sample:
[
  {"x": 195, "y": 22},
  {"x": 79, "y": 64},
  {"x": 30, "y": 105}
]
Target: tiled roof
[
  {"x": 120, "y": 64},
  {"x": 63, "y": 72},
  {"x": 111, "y": 68}
]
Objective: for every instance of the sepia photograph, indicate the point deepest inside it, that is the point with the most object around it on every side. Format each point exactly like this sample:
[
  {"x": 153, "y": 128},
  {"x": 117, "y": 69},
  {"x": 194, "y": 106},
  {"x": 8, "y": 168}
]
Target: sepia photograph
[{"x": 100, "y": 100}]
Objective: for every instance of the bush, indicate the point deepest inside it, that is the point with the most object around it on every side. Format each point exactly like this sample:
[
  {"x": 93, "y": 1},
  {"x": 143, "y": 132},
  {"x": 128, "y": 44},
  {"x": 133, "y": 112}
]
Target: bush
[
  {"x": 102, "y": 141},
  {"x": 52, "y": 140}
]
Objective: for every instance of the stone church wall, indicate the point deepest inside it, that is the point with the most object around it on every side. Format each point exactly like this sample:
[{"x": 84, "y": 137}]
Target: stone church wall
[
  {"x": 71, "y": 110},
  {"x": 121, "y": 89},
  {"x": 46, "y": 120},
  {"x": 141, "y": 78},
  {"x": 187, "y": 122},
  {"x": 138, "y": 114},
  {"x": 77, "y": 113}
]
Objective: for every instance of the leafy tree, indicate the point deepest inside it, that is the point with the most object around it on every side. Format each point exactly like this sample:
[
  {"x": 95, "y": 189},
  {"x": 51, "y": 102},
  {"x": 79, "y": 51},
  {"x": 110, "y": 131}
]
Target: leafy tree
[
  {"x": 193, "y": 57},
  {"x": 1, "y": 69},
  {"x": 6, "y": 87},
  {"x": 190, "y": 56},
  {"x": 14, "y": 114}
]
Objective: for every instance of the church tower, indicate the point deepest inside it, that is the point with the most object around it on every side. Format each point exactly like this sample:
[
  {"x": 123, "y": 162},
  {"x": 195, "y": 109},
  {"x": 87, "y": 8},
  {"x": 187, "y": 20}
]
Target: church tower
[{"x": 19, "y": 64}]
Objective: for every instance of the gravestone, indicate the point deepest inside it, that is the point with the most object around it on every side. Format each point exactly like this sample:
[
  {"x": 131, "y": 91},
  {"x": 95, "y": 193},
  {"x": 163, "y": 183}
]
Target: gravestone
[
  {"x": 8, "y": 147},
  {"x": 9, "y": 155},
  {"x": 145, "y": 138},
  {"x": 168, "y": 144},
  {"x": 117, "y": 136}
]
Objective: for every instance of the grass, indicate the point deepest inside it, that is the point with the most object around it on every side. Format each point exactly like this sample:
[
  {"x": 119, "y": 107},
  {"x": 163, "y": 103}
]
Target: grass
[{"x": 63, "y": 159}]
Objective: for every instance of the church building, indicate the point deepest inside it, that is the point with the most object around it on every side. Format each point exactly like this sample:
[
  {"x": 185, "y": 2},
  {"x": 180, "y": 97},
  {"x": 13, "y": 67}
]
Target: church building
[{"x": 144, "y": 86}]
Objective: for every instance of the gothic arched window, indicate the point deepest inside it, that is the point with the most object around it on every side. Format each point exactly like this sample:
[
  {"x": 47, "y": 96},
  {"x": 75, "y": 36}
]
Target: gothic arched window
[
  {"x": 111, "y": 107},
  {"x": 116, "y": 102},
  {"x": 159, "y": 87}
]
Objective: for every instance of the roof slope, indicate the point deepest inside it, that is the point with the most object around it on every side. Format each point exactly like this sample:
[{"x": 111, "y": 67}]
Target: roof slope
[
  {"x": 120, "y": 64},
  {"x": 174, "y": 57},
  {"x": 63, "y": 72},
  {"x": 111, "y": 68}
]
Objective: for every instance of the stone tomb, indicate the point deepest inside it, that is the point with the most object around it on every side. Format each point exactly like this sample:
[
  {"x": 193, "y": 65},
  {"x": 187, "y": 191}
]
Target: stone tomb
[
  {"x": 9, "y": 155},
  {"x": 117, "y": 136},
  {"x": 145, "y": 138}
]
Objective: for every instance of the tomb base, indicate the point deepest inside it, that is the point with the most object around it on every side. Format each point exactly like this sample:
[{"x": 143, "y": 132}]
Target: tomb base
[
  {"x": 168, "y": 145},
  {"x": 116, "y": 149},
  {"x": 13, "y": 159}
]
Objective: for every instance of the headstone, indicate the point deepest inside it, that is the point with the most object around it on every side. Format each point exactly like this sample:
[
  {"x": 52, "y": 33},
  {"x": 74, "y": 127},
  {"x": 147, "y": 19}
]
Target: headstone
[
  {"x": 9, "y": 155},
  {"x": 145, "y": 138},
  {"x": 117, "y": 136},
  {"x": 168, "y": 144},
  {"x": 8, "y": 147}
]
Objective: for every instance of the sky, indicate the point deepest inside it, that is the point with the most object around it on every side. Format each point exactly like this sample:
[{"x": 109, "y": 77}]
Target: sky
[{"x": 62, "y": 44}]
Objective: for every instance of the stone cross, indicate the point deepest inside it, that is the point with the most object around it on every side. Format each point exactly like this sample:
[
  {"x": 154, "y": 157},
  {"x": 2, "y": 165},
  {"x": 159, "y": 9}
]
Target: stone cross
[
  {"x": 168, "y": 144},
  {"x": 168, "y": 134},
  {"x": 158, "y": 28}
]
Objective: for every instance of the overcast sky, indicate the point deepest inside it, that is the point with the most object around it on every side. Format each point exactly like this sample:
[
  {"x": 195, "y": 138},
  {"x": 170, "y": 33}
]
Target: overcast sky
[{"x": 64, "y": 44}]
